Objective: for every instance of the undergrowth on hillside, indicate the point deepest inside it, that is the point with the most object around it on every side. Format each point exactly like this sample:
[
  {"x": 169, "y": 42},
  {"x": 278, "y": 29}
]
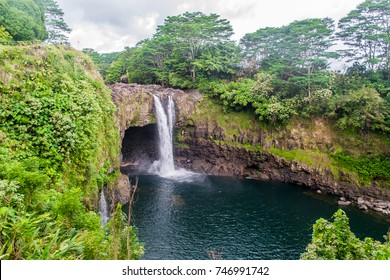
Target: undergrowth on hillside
[
  {"x": 368, "y": 168},
  {"x": 58, "y": 144}
]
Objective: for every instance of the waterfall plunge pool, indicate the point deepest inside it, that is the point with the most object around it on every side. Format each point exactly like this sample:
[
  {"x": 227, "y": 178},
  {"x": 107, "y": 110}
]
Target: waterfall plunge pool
[
  {"x": 236, "y": 219},
  {"x": 181, "y": 215}
]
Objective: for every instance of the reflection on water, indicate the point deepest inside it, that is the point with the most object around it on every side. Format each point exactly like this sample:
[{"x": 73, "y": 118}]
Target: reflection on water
[{"x": 234, "y": 219}]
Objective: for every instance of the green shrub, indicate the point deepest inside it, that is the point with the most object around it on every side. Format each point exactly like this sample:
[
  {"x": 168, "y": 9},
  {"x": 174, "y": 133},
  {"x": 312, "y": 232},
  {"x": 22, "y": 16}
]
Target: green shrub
[
  {"x": 334, "y": 240},
  {"x": 368, "y": 168},
  {"x": 362, "y": 109}
]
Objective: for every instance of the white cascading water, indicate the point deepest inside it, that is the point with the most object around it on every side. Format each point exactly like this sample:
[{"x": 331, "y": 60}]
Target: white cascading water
[
  {"x": 103, "y": 209},
  {"x": 165, "y": 166},
  {"x": 165, "y": 122},
  {"x": 171, "y": 115}
]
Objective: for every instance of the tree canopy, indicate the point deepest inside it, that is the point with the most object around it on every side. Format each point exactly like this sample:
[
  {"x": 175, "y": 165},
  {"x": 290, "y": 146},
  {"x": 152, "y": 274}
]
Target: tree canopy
[
  {"x": 185, "y": 49},
  {"x": 192, "y": 33},
  {"x": 303, "y": 43},
  {"x": 297, "y": 51},
  {"x": 288, "y": 66},
  {"x": 366, "y": 33},
  {"x": 34, "y": 20},
  {"x": 23, "y": 19},
  {"x": 56, "y": 27}
]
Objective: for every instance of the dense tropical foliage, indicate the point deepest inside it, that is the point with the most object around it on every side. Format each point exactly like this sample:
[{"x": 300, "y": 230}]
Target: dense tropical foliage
[
  {"x": 59, "y": 144},
  {"x": 58, "y": 140},
  {"x": 275, "y": 72},
  {"x": 33, "y": 20},
  {"x": 310, "y": 68},
  {"x": 334, "y": 240}
]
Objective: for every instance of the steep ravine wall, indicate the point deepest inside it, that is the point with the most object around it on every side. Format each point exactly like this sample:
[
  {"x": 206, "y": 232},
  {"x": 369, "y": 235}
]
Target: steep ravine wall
[{"x": 211, "y": 142}]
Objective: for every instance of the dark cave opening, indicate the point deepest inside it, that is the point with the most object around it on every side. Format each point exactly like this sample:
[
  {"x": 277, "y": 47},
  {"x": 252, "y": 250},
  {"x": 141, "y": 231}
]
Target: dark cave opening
[{"x": 139, "y": 148}]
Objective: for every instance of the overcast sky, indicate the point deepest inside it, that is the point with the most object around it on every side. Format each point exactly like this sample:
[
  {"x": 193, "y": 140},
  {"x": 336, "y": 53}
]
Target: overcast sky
[{"x": 110, "y": 25}]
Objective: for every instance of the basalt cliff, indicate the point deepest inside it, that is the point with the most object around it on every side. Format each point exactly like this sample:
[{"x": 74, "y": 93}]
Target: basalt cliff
[{"x": 211, "y": 141}]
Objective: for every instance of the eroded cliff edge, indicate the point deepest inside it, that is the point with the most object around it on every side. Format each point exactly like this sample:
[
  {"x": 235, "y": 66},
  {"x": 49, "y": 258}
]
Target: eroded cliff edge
[{"x": 211, "y": 141}]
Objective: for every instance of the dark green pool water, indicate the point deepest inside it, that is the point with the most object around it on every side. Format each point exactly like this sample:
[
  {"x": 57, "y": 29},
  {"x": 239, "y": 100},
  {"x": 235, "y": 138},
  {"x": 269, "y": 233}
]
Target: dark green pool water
[{"x": 238, "y": 219}]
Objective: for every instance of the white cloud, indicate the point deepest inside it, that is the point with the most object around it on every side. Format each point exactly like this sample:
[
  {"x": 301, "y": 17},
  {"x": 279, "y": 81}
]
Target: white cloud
[
  {"x": 146, "y": 23},
  {"x": 111, "y": 25},
  {"x": 102, "y": 38}
]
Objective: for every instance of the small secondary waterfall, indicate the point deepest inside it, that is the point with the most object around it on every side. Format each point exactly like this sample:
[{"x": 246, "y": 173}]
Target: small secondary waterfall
[
  {"x": 103, "y": 209},
  {"x": 165, "y": 123}
]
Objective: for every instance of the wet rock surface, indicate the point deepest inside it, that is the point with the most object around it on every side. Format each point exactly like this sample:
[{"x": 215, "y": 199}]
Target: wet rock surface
[
  {"x": 121, "y": 192},
  {"x": 135, "y": 106}
]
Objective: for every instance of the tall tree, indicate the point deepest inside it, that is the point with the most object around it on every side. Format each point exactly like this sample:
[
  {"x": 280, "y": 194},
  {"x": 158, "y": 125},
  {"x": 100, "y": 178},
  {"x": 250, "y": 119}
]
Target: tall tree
[
  {"x": 303, "y": 43},
  {"x": 261, "y": 45},
  {"x": 192, "y": 33},
  {"x": 152, "y": 61},
  {"x": 300, "y": 49},
  {"x": 56, "y": 27},
  {"x": 185, "y": 49},
  {"x": 311, "y": 40},
  {"x": 23, "y": 19},
  {"x": 141, "y": 67},
  {"x": 366, "y": 33}
]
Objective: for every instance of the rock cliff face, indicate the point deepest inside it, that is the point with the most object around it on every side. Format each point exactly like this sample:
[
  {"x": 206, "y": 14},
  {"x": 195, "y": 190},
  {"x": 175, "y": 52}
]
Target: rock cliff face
[
  {"x": 211, "y": 142},
  {"x": 135, "y": 106}
]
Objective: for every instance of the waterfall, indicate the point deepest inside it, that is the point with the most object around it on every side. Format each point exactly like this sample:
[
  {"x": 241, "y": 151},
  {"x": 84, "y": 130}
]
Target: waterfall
[
  {"x": 165, "y": 123},
  {"x": 165, "y": 167},
  {"x": 103, "y": 209},
  {"x": 171, "y": 115}
]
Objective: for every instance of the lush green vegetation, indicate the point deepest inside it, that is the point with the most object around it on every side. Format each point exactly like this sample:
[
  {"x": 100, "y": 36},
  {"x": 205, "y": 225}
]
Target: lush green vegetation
[
  {"x": 362, "y": 156},
  {"x": 185, "y": 50},
  {"x": 334, "y": 240},
  {"x": 277, "y": 72},
  {"x": 103, "y": 62},
  {"x": 58, "y": 141},
  {"x": 58, "y": 144},
  {"x": 23, "y": 20},
  {"x": 32, "y": 20},
  {"x": 309, "y": 157},
  {"x": 368, "y": 168},
  {"x": 280, "y": 74}
]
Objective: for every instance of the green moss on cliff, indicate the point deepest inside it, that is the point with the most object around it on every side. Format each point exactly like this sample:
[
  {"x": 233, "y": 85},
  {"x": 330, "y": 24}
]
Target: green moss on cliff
[
  {"x": 310, "y": 157},
  {"x": 58, "y": 144},
  {"x": 233, "y": 124}
]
